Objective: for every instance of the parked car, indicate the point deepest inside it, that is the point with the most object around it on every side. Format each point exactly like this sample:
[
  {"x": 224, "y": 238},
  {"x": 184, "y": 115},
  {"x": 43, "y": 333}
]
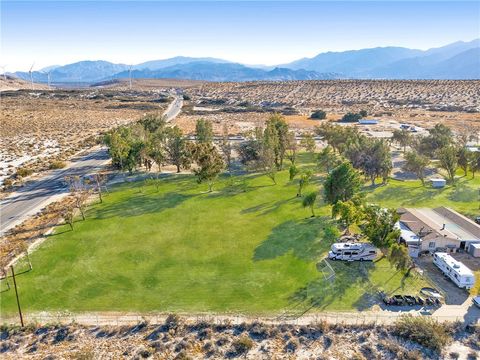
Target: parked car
[
  {"x": 398, "y": 300},
  {"x": 410, "y": 300},
  {"x": 419, "y": 300},
  {"x": 476, "y": 301},
  {"x": 477, "y": 219}
]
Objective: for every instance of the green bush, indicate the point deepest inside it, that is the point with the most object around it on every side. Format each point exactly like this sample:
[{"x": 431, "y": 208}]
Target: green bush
[
  {"x": 424, "y": 331},
  {"x": 319, "y": 115},
  {"x": 351, "y": 117},
  {"x": 57, "y": 164},
  {"x": 24, "y": 171}
]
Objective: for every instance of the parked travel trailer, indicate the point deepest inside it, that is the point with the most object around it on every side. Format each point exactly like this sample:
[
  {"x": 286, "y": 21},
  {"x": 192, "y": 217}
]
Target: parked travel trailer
[
  {"x": 457, "y": 272},
  {"x": 351, "y": 251}
]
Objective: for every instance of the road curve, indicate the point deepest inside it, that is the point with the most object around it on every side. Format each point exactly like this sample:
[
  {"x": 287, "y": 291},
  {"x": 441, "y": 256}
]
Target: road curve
[{"x": 37, "y": 194}]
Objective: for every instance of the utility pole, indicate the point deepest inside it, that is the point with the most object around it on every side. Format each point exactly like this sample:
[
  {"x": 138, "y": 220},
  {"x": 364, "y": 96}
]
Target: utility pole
[{"x": 16, "y": 293}]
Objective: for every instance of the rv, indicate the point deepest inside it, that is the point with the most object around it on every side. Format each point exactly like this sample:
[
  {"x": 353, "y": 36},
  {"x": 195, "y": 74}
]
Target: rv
[
  {"x": 350, "y": 251},
  {"x": 454, "y": 270}
]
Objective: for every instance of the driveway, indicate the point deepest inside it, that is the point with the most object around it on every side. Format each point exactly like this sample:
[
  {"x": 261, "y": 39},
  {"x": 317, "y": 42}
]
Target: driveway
[{"x": 453, "y": 294}]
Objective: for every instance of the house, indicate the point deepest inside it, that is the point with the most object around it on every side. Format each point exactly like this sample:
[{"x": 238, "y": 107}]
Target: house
[
  {"x": 438, "y": 183},
  {"x": 440, "y": 229}
]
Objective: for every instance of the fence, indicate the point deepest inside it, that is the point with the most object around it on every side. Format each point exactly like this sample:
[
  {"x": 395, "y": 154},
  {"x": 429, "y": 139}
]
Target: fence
[{"x": 311, "y": 319}]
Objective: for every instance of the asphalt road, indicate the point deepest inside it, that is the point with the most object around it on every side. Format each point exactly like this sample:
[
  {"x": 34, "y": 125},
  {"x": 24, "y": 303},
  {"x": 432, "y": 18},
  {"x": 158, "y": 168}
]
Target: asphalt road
[{"x": 37, "y": 194}]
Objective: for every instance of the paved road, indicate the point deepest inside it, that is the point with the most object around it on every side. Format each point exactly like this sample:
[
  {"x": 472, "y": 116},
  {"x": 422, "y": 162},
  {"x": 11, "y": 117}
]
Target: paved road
[{"x": 39, "y": 193}]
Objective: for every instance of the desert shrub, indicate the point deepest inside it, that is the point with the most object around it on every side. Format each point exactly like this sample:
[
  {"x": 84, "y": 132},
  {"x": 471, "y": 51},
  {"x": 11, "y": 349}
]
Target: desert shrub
[
  {"x": 7, "y": 183},
  {"x": 242, "y": 345},
  {"x": 292, "y": 345},
  {"x": 172, "y": 321},
  {"x": 424, "y": 331},
  {"x": 258, "y": 331},
  {"x": 57, "y": 164},
  {"x": 24, "y": 171},
  {"x": 351, "y": 117},
  {"x": 318, "y": 115},
  {"x": 472, "y": 356}
]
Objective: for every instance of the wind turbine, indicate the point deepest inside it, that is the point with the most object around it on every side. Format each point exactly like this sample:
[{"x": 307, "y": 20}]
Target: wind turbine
[
  {"x": 30, "y": 72},
  {"x": 48, "y": 76},
  {"x": 130, "y": 76}
]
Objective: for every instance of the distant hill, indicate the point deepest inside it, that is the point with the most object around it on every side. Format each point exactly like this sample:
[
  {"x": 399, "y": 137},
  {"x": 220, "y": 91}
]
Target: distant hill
[
  {"x": 400, "y": 63},
  {"x": 82, "y": 71},
  {"x": 204, "y": 70},
  {"x": 354, "y": 61},
  {"x": 178, "y": 60},
  {"x": 459, "y": 60}
]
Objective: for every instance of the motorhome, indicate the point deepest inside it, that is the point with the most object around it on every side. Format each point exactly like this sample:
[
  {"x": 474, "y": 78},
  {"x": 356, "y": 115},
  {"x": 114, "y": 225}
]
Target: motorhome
[
  {"x": 351, "y": 251},
  {"x": 461, "y": 275}
]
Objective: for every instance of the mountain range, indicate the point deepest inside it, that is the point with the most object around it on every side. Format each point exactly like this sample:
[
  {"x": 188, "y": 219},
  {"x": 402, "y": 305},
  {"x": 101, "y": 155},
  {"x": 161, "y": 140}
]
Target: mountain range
[{"x": 459, "y": 60}]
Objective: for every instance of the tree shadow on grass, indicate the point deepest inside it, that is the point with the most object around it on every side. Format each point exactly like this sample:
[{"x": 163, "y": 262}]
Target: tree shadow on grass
[
  {"x": 140, "y": 204},
  {"x": 300, "y": 237},
  {"x": 463, "y": 193},
  {"x": 323, "y": 291},
  {"x": 407, "y": 195},
  {"x": 266, "y": 207}
]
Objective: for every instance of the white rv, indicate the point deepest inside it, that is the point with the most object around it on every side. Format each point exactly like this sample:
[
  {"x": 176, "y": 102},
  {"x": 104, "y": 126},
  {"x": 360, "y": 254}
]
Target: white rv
[
  {"x": 461, "y": 275},
  {"x": 350, "y": 251}
]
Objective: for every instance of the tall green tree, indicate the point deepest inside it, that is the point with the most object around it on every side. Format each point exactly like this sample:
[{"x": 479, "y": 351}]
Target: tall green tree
[
  {"x": 327, "y": 159},
  {"x": 308, "y": 142},
  {"x": 379, "y": 226},
  {"x": 439, "y": 137},
  {"x": 417, "y": 164},
  {"x": 304, "y": 180},
  {"x": 342, "y": 183},
  {"x": 463, "y": 159},
  {"x": 449, "y": 161},
  {"x": 204, "y": 131},
  {"x": 176, "y": 148},
  {"x": 399, "y": 257},
  {"x": 403, "y": 137},
  {"x": 349, "y": 213},
  {"x": 474, "y": 162},
  {"x": 209, "y": 163},
  {"x": 309, "y": 201},
  {"x": 276, "y": 136},
  {"x": 226, "y": 148}
]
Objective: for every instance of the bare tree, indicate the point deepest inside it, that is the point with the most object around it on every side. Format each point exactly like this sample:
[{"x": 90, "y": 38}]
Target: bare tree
[
  {"x": 100, "y": 179},
  {"x": 68, "y": 213},
  {"x": 226, "y": 148}
]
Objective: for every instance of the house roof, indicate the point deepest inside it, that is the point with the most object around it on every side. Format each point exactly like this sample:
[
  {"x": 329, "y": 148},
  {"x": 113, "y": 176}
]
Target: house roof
[{"x": 440, "y": 222}]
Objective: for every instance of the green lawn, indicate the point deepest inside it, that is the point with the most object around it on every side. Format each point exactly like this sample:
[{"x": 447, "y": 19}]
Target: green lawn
[{"x": 247, "y": 247}]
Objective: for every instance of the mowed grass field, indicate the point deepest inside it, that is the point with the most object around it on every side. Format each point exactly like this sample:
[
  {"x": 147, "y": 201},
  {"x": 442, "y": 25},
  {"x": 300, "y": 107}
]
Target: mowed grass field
[{"x": 248, "y": 247}]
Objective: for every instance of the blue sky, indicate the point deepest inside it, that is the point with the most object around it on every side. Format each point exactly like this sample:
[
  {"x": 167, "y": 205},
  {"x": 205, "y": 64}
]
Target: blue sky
[{"x": 50, "y": 32}]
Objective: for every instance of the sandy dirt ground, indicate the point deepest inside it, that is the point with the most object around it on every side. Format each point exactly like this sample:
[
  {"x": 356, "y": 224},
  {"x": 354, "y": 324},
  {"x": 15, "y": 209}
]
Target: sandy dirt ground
[
  {"x": 41, "y": 126},
  {"x": 176, "y": 339}
]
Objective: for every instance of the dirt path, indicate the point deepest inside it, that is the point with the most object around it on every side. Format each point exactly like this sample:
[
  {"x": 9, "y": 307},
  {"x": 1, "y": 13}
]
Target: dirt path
[{"x": 465, "y": 313}]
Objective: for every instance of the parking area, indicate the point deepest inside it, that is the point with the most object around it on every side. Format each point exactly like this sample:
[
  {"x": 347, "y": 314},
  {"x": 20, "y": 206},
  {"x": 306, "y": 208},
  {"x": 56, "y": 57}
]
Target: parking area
[{"x": 453, "y": 294}]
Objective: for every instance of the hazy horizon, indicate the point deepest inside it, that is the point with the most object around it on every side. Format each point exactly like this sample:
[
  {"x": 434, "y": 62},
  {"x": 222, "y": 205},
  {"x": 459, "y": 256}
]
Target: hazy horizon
[{"x": 253, "y": 33}]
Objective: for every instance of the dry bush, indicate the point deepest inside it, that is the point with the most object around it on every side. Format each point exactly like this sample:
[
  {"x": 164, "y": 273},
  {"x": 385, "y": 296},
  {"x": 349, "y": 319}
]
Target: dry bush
[{"x": 424, "y": 331}]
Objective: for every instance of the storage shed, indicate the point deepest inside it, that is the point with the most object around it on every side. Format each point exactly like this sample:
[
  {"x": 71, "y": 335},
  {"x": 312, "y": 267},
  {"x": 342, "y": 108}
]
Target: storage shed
[
  {"x": 438, "y": 183},
  {"x": 474, "y": 250}
]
